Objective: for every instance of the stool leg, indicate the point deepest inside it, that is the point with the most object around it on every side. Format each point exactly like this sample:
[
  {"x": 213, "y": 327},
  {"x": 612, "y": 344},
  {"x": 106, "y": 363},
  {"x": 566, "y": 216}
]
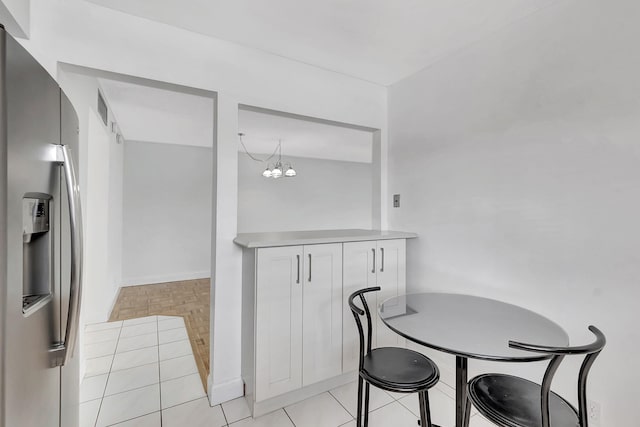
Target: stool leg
[
  {"x": 359, "y": 416},
  {"x": 467, "y": 413},
  {"x": 425, "y": 413},
  {"x": 366, "y": 405}
]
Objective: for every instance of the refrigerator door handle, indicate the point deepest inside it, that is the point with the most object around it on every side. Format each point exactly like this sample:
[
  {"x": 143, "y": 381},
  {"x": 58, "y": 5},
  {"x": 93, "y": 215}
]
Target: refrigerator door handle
[{"x": 62, "y": 351}]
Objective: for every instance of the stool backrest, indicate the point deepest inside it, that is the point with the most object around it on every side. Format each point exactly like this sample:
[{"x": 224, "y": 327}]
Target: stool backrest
[
  {"x": 357, "y": 313},
  {"x": 591, "y": 351}
]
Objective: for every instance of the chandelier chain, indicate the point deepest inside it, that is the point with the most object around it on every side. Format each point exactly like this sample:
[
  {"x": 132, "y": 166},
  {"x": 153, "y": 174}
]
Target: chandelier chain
[{"x": 252, "y": 157}]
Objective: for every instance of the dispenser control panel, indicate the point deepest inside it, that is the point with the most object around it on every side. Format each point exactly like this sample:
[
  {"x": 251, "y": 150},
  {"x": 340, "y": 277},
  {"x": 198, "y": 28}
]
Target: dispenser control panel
[
  {"x": 37, "y": 252},
  {"x": 35, "y": 216}
]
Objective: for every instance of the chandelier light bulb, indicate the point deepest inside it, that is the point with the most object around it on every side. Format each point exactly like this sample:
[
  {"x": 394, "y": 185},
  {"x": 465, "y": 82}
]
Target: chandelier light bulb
[
  {"x": 290, "y": 172},
  {"x": 275, "y": 170}
]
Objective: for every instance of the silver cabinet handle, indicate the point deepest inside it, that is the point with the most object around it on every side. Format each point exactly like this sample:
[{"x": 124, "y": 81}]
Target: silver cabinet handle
[
  {"x": 309, "y": 267},
  {"x": 382, "y": 260},
  {"x": 373, "y": 268},
  {"x": 62, "y": 351},
  {"x": 298, "y": 276}
]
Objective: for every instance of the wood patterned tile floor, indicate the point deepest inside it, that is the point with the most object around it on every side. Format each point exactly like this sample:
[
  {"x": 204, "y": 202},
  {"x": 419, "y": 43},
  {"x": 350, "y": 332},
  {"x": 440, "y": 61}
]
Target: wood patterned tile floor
[{"x": 189, "y": 299}]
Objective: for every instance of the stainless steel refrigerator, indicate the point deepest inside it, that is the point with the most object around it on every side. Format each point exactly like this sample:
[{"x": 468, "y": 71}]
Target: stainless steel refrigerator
[{"x": 40, "y": 246}]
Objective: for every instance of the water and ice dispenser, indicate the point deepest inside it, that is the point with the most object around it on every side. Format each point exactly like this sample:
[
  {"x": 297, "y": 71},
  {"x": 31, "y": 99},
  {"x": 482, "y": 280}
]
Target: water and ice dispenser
[{"x": 37, "y": 251}]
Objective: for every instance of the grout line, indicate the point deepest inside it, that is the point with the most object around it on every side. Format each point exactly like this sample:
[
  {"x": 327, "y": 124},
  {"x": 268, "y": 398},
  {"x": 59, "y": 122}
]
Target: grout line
[
  {"x": 173, "y": 329},
  {"x": 340, "y": 403},
  {"x": 172, "y": 318},
  {"x": 383, "y": 406},
  {"x": 133, "y": 367},
  {"x": 139, "y": 335},
  {"x": 159, "y": 375},
  {"x": 182, "y": 376},
  {"x": 86, "y": 347},
  {"x": 175, "y": 357},
  {"x": 250, "y": 416},
  {"x": 134, "y": 349},
  {"x": 98, "y": 357},
  {"x": 289, "y": 416},
  {"x": 98, "y": 342},
  {"x": 387, "y": 404},
  {"x": 110, "y": 328},
  {"x": 407, "y": 408},
  {"x": 139, "y": 323},
  {"x": 94, "y": 375},
  {"x": 442, "y": 384},
  {"x": 130, "y": 419},
  {"x": 169, "y": 342},
  {"x": 226, "y": 420},
  {"x": 131, "y": 389},
  {"x": 108, "y": 375},
  {"x": 188, "y": 401}
]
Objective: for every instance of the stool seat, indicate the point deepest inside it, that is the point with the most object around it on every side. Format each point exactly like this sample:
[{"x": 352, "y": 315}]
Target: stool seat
[
  {"x": 515, "y": 402},
  {"x": 511, "y": 401},
  {"x": 393, "y": 369},
  {"x": 399, "y": 370}
]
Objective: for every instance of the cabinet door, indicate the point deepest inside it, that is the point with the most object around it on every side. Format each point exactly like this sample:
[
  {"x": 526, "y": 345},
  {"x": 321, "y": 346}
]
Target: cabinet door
[
  {"x": 358, "y": 273},
  {"x": 322, "y": 312},
  {"x": 391, "y": 277},
  {"x": 278, "y": 321}
]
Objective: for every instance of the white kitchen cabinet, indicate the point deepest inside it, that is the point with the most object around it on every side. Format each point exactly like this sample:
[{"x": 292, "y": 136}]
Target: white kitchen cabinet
[
  {"x": 367, "y": 264},
  {"x": 278, "y": 362},
  {"x": 322, "y": 313},
  {"x": 298, "y": 339},
  {"x": 298, "y": 317}
]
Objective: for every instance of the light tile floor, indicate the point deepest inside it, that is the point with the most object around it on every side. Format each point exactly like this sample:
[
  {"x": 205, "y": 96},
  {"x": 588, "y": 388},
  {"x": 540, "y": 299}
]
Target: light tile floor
[
  {"x": 188, "y": 298},
  {"x": 142, "y": 373}
]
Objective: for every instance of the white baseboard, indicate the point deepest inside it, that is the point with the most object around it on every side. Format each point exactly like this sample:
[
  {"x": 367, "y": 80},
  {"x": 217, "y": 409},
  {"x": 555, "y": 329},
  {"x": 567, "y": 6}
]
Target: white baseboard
[
  {"x": 149, "y": 280},
  {"x": 92, "y": 315},
  {"x": 220, "y": 393},
  {"x": 114, "y": 299}
]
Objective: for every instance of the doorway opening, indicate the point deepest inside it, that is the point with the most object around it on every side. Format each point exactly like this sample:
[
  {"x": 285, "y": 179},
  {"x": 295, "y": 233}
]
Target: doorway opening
[
  {"x": 146, "y": 167},
  {"x": 336, "y": 178}
]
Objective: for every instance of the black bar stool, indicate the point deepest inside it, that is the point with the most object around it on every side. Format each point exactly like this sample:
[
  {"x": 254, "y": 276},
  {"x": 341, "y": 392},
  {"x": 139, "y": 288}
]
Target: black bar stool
[
  {"x": 511, "y": 401},
  {"x": 392, "y": 369}
]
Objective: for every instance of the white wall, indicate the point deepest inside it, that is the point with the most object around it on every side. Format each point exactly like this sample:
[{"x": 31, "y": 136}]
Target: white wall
[
  {"x": 166, "y": 213},
  {"x": 100, "y": 178},
  {"x": 14, "y": 15},
  {"x": 325, "y": 195},
  {"x": 102, "y": 236},
  {"x": 115, "y": 215},
  {"x": 519, "y": 166},
  {"x": 81, "y": 33}
]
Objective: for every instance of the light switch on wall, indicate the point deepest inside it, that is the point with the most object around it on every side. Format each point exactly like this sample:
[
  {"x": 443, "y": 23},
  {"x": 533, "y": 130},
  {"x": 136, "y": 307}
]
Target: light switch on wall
[{"x": 396, "y": 200}]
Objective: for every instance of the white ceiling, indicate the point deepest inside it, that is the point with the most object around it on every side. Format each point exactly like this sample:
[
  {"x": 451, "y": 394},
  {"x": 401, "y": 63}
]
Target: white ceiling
[
  {"x": 150, "y": 114},
  {"x": 381, "y": 41}
]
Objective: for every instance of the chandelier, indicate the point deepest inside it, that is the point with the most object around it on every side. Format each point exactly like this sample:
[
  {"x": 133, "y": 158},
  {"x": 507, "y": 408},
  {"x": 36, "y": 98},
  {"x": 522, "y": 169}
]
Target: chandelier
[{"x": 276, "y": 170}]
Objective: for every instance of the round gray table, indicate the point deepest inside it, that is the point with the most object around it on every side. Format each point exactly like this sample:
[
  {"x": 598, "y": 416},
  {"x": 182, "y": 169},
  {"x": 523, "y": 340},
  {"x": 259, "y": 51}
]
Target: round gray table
[{"x": 469, "y": 327}]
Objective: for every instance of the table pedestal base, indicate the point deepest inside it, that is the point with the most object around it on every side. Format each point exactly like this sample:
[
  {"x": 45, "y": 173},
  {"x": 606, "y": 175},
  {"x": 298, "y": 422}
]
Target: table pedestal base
[{"x": 461, "y": 389}]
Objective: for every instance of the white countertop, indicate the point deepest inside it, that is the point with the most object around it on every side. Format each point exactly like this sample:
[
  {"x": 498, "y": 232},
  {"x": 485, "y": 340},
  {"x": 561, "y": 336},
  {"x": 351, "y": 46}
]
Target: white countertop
[{"x": 311, "y": 237}]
